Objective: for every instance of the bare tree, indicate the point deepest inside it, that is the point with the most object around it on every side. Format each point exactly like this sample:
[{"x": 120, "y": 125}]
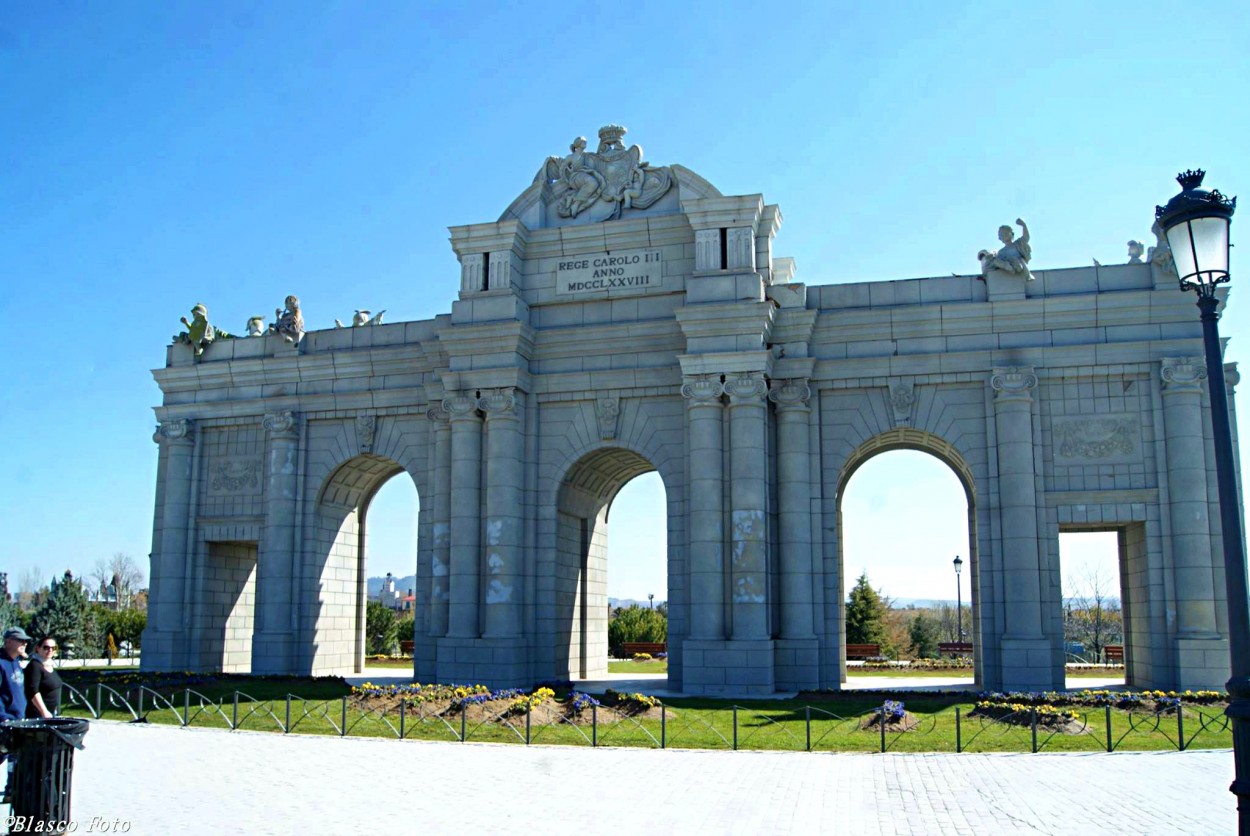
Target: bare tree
[
  {"x": 1093, "y": 617},
  {"x": 116, "y": 580},
  {"x": 32, "y": 588}
]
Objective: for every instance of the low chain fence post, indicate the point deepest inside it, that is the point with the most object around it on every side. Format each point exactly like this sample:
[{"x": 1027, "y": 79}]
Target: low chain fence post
[
  {"x": 464, "y": 713},
  {"x": 1180, "y": 725},
  {"x": 403, "y": 705},
  {"x": 1033, "y": 727},
  {"x": 186, "y": 706},
  {"x": 594, "y": 725},
  {"x": 140, "y": 702},
  {"x": 1108, "y": 713},
  {"x": 663, "y": 727},
  {"x": 735, "y": 709},
  {"x": 529, "y": 711},
  {"x": 807, "y": 720},
  {"x": 234, "y": 713},
  {"x": 99, "y": 699},
  {"x": 881, "y": 725},
  {"x": 343, "y": 728},
  {"x": 287, "y": 728},
  {"x": 959, "y": 733}
]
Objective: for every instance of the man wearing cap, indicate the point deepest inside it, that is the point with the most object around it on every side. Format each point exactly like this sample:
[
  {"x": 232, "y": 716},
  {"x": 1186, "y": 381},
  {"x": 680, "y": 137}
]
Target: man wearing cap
[{"x": 12, "y": 685}]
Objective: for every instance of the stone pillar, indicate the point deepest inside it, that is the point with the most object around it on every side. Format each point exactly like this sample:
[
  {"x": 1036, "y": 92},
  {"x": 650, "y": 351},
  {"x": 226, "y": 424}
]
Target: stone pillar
[
  {"x": 440, "y": 520},
  {"x": 170, "y": 569},
  {"x": 273, "y": 639},
  {"x": 1017, "y": 490},
  {"x": 466, "y": 521},
  {"x": 748, "y": 502},
  {"x": 505, "y": 488},
  {"x": 794, "y": 513},
  {"x": 1188, "y": 505},
  {"x": 707, "y": 520}
]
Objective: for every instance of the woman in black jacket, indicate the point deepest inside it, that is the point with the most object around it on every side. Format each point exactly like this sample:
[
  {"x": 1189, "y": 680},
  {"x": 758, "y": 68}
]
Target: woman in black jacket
[{"x": 43, "y": 683}]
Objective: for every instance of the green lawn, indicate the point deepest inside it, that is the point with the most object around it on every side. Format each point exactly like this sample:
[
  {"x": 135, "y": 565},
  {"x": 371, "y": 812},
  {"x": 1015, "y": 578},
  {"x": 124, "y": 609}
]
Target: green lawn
[
  {"x": 402, "y": 663},
  {"x": 909, "y": 674},
  {"x": 627, "y": 666},
  {"x": 694, "y": 723}
]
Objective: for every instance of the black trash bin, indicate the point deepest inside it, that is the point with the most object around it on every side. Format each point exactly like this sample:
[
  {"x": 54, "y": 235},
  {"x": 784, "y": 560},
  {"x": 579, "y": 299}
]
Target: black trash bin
[{"x": 43, "y": 753}]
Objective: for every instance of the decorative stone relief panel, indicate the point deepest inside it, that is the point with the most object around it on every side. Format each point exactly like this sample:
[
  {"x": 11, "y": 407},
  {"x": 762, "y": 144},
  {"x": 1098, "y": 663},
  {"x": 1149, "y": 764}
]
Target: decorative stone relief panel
[
  {"x": 233, "y": 473},
  {"x": 1096, "y": 439},
  {"x": 366, "y": 429},
  {"x": 607, "y": 410},
  {"x": 902, "y": 398},
  {"x": 740, "y": 248},
  {"x": 471, "y": 272},
  {"x": 707, "y": 249}
]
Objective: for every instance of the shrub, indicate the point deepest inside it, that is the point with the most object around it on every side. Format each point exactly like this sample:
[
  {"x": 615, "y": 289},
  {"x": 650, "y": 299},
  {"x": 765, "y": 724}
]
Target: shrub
[{"x": 642, "y": 657}]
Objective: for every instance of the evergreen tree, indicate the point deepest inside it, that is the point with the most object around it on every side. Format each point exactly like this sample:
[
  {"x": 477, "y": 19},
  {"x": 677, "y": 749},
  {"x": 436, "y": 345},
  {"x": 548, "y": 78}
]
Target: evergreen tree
[
  {"x": 865, "y": 615},
  {"x": 66, "y": 616},
  {"x": 381, "y": 630},
  {"x": 925, "y": 632}
]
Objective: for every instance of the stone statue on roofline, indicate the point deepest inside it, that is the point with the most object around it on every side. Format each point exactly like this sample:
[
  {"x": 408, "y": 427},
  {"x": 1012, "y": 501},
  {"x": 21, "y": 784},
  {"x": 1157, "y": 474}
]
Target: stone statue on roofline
[
  {"x": 200, "y": 334},
  {"x": 1013, "y": 257},
  {"x": 256, "y": 326},
  {"x": 290, "y": 321},
  {"x": 361, "y": 318},
  {"x": 1160, "y": 254},
  {"x": 1135, "y": 251},
  {"x": 615, "y": 175}
]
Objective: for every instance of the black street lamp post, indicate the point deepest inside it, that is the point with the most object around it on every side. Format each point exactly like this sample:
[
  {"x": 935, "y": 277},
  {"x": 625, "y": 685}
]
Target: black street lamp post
[
  {"x": 959, "y": 600},
  {"x": 1196, "y": 222}
]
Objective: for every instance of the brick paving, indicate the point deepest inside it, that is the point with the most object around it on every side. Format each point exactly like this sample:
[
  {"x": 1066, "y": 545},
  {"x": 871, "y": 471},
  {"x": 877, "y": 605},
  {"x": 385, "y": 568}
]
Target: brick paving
[{"x": 167, "y": 780}]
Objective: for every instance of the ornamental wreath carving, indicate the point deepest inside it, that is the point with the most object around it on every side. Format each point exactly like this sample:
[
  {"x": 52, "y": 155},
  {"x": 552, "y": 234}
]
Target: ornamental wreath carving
[
  {"x": 366, "y": 429},
  {"x": 607, "y": 410},
  {"x": 1101, "y": 438},
  {"x": 235, "y": 476},
  {"x": 613, "y": 174}
]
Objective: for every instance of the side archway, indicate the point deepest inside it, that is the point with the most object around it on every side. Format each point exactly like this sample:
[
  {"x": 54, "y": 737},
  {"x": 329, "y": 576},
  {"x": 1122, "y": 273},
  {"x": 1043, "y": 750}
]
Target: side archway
[{"x": 336, "y": 594}]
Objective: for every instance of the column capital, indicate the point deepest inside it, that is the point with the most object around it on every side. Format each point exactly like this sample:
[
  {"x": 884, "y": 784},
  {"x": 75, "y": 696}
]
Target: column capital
[
  {"x": 177, "y": 430},
  {"x": 791, "y": 394},
  {"x": 460, "y": 406},
  {"x": 438, "y": 415},
  {"x": 1013, "y": 383},
  {"x": 746, "y": 388},
  {"x": 281, "y": 424},
  {"x": 1182, "y": 374},
  {"x": 703, "y": 389},
  {"x": 498, "y": 403}
]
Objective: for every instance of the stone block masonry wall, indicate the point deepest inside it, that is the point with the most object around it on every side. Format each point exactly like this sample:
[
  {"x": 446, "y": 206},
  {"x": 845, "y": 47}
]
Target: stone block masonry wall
[
  {"x": 226, "y": 611},
  {"x": 232, "y": 480}
]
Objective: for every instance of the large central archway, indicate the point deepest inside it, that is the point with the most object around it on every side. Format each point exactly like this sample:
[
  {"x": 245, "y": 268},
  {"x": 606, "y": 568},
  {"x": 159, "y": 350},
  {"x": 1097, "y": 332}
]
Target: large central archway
[{"x": 905, "y": 438}]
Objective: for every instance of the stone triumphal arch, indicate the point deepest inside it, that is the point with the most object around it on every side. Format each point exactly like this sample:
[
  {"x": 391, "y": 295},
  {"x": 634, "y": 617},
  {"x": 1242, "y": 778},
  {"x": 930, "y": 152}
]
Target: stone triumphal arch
[{"x": 621, "y": 318}]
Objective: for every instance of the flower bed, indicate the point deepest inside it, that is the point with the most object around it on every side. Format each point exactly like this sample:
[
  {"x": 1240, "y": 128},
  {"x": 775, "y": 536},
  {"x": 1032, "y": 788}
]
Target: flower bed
[
  {"x": 481, "y": 703},
  {"x": 1052, "y": 718},
  {"x": 893, "y": 714}
]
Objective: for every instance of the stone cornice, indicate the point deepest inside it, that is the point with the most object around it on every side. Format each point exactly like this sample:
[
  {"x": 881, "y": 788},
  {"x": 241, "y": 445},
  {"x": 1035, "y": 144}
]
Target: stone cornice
[
  {"x": 724, "y": 212},
  {"x": 489, "y": 237}
]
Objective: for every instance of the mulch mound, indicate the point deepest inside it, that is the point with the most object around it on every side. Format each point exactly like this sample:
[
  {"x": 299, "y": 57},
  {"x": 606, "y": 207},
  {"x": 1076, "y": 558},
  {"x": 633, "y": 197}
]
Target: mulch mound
[{"x": 873, "y": 723}]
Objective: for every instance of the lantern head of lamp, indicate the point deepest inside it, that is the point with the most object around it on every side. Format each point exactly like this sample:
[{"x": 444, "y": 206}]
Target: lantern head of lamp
[
  {"x": 1196, "y": 224},
  {"x": 959, "y": 564}
]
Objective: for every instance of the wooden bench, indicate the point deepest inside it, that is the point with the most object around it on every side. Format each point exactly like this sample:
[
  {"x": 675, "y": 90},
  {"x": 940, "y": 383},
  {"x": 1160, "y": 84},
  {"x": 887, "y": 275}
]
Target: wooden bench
[
  {"x": 859, "y": 652},
  {"x": 1113, "y": 654},
  {"x": 954, "y": 648},
  {"x": 652, "y": 648}
]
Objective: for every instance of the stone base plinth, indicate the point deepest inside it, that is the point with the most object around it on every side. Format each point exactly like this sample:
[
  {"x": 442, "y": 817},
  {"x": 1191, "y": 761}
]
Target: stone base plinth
[
  {"x": 1028, "y": 665},
  {"x": 1201, "y": 663},
  {"x": 273, "y": 652},
  {"x": 797, "y": 664},
  {"x": 1001, "y": 285},
  {"x": 495, "y": 663},
  {"x": 728, "y": 666}
]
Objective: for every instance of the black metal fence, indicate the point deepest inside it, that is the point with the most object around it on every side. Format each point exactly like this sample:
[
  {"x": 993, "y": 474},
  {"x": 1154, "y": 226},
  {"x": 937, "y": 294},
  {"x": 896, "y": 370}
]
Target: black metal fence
[{"x": 808, "y": 728}]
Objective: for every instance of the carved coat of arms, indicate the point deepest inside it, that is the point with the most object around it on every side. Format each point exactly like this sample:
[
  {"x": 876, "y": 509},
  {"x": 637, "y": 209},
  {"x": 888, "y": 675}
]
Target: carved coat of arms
[{"x": 613, "y": 174}]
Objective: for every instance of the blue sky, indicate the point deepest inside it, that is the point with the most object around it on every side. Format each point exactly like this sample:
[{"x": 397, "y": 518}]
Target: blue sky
[{"x": 158, "y": 155}]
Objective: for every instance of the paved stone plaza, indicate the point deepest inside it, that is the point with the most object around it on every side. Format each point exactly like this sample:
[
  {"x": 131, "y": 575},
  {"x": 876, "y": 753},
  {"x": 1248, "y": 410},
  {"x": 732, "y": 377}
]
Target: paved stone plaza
[{"x": 167, "y": 780}]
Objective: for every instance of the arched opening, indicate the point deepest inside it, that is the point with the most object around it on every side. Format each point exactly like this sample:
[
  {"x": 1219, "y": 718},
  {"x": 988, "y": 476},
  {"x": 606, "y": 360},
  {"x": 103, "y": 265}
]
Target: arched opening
[
  {"x": 905, "y": 512},
  {"x": 1091, "y": 562},
  {"x": 587, "y": 501},
  {"x": 356, "y": 520}
]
